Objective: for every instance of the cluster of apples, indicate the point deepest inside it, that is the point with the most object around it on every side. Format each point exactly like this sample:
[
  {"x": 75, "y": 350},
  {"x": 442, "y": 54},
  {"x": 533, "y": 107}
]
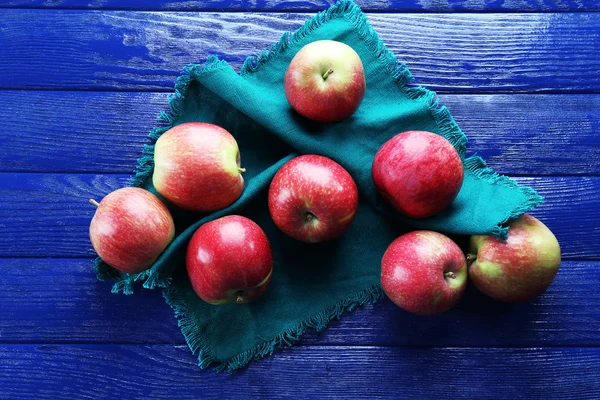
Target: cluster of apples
[
  {"x": 425, "y": 272},
  {"x": 314, "y": 199}
]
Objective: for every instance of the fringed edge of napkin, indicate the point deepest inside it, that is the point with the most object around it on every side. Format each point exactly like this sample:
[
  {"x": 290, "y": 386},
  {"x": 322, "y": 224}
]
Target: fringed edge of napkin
[
  {"x": 447, "y": 127},
  {"x": 400, "y": 73},
  {"x": 287, "y": 338}
]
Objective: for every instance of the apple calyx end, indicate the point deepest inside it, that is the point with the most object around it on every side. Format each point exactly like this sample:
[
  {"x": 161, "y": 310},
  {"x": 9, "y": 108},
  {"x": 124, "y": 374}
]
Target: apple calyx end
[
  {"x": 94, "y": 202},
  {"x": 240, "y": 298},
  {"x": 241, "y": 170},
  {"x": 310, "y": 217},
  {"x": 327, "y": 73}
]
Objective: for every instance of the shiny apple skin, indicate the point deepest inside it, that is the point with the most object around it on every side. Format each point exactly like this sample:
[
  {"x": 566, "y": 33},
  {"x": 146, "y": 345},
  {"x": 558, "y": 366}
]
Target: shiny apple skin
[
  {"x": 229, "y": 260},
  {"x": 424, "y": 272},
  {"x": 130, "y": 229},
  {"x": 313, "y": 199},
  {"x": 419, "y": 173},
  {"x": 519, "y": 269},
  {"x": 329, "y": 99},
  {"x": 197, "y": 167}
]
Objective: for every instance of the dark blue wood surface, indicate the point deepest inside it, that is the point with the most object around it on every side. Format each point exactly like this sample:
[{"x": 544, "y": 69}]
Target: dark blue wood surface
[
  {"x": 451, "y": 53},
  {"x": 89, "y": 371},
  {"x": 80, "y": 85},
  {"x": 74, "y": 308}
]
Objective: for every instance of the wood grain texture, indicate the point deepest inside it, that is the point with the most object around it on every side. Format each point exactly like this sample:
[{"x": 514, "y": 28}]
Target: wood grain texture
[
  {"x": 167, "y": 371},
  {"x": 48, "y": 215},
  {"x": 60, "y": 301},
  {"x": 314, "y": 5},
  {"x": 94, "y": 131},
  {"x": 103, "y": 132},
  {"x": 122, "y": 50},
  {"x": 61, "y": 147}
]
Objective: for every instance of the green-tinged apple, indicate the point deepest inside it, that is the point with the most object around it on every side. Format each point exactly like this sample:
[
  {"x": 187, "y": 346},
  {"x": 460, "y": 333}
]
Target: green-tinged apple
[
  {"x": 197, "y": 167},
  {"x": 424, "y": 272},
  {"x": 520, "y": 268},
  {"x": 229, "y": 260},
  {"x": 313, "y": 199},
  {"x": 325, "y": 81},
  {"x": 130, "y": 229}
]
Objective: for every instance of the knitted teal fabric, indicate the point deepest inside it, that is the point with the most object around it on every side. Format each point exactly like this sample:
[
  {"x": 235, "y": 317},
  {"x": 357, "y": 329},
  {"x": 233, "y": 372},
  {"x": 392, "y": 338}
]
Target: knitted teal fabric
[{"x": 312, "y": 283}]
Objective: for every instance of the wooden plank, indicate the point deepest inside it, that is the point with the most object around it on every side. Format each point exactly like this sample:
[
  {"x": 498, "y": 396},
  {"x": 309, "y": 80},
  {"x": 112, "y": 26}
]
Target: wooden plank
[
  {"x": 49, "y": 214},
  {"x": 60, "y": 128},
  {"x": 60, "y": 301},
  {"x": 314, "y": 5},
  {"x": 167, "y": 371},
  {"x": 516, "y": 134},
  {"x": 144, "y": 50}
]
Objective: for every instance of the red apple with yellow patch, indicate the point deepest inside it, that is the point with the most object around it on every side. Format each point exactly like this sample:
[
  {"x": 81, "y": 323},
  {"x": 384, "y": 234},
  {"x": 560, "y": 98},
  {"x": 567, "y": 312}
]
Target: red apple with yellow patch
[
  {"x": 130, "y": 229},
  {"x": 325, "y": 81},
  {"x": 520, "y": 268},
  {"x": 197, "y": 167}
]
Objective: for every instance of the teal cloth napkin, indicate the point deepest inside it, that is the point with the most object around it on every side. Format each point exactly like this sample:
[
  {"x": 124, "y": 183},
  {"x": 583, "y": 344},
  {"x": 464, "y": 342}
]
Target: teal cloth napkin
[{"x": 312, "y": 283}]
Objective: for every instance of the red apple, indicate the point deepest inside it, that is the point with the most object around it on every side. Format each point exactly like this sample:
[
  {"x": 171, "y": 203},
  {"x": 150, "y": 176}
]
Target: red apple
[
  {"x": 197, "y": 167},
  {"x": 520, "y": 268},
  {"x": 229, "y": 260},
  {"x": 419, "y": 173},
  {"x": 313, "y": 199},
  {"x": 130, "y": 229},
  {"x": 424, "y": 272},
  {"x": 325, "y": 81}
]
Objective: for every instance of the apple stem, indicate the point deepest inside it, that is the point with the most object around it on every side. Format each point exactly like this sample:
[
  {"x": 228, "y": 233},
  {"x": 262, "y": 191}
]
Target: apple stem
[
  {"x": 94, "y": 202},
  {"x": 471, "y": 258},
  {"x": 327, "y": 73},
  {"x": 242, "y": 170},
  {"x": 450, "y": 275}
]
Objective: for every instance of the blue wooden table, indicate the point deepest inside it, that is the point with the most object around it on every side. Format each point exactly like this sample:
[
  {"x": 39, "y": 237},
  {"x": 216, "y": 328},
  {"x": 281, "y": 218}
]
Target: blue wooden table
[{"x": 81, "y": 82}]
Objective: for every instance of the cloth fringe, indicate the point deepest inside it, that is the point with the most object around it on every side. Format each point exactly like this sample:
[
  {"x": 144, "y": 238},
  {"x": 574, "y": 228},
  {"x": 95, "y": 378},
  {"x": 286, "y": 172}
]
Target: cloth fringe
[{"x": 287, "y": 338}]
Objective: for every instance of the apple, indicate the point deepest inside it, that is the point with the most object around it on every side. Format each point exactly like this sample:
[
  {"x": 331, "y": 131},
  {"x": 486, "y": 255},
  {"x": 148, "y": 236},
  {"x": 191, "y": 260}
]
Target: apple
[
  {"x": 130, "y": 229},
  {"x": 520, "y": 268},
  {"x": 197, "y": 167},
  {"x": 229, "y": 260},
  {"x": 419, "y": 173},
  {"x": 424, "y": 272},
  {"x": 313, "y": 199},
  {"x": 325, "y": 81}
]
